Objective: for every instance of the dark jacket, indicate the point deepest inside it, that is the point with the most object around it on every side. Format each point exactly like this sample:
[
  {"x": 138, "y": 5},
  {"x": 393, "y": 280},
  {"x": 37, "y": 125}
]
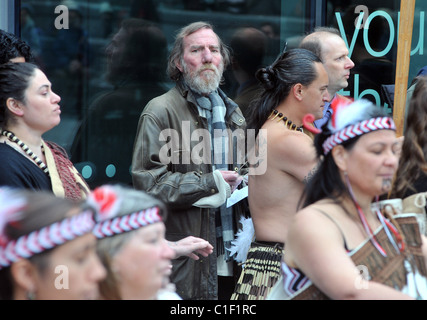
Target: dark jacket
[{"x": 183, "y": 181}]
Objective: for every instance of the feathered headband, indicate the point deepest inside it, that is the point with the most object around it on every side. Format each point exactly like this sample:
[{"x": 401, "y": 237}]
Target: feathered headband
[
  {"x": 341, "y": 123},
  {"x": 40, "y": 240},
  {"x": 108, "y": 204}
]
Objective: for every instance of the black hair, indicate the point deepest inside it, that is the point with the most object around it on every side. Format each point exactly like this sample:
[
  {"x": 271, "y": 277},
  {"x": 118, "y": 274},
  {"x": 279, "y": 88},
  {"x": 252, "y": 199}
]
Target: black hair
[
  {"x": 12, "y": 47},
  {"x": 290, "y": 68},
  {"x": 14, "y": 80},
  {"x": 327, "y": 182}
]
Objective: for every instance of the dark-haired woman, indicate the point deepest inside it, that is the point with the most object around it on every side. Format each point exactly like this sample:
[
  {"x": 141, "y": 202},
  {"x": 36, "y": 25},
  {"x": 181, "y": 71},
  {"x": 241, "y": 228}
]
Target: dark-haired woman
[
  {"x": 411, "y": 175},
  {"x": 28, "y": 109},
  {"x": 340, "y": 244},
  {"x": 47, "y": 248}
]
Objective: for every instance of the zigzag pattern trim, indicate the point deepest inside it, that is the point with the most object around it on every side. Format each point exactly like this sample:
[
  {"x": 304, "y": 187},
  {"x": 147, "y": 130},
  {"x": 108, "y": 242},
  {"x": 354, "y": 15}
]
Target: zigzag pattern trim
[
  {"x": 46, "y": 238},
  {"x": 293, "y": 279},
  {"x": 357, "y": 129},
  {"x": 127, "y": 223}
]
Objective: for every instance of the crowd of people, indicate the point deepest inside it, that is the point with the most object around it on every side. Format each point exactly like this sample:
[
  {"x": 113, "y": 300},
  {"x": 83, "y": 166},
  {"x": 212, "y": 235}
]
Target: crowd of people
[{"x": 315, "y": 209}]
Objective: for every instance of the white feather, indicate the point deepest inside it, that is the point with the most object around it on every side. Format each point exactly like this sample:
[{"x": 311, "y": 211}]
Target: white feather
[
  {"x": 106, "y": 201},
  {"x": 10, "y": 208},
  {"x": 347, "y": 114},
  {"x": 244, "y": 237}
]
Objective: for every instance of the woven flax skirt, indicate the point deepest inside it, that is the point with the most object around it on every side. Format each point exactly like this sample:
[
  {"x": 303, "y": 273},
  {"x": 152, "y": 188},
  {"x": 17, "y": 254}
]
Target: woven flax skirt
[{"x": 261, "y": 271}]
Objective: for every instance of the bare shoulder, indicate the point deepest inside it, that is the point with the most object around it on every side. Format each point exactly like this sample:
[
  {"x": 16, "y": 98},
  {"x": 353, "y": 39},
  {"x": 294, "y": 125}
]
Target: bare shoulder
[
  {"x": 279, "y": 131},
  {"x": 311, "y": 234},
  {"x": 290, "y": 151},
  {"x": 286, "y": 142},
  {"x": 291, "y": 136},
  {"x": 315, "y": 221}
]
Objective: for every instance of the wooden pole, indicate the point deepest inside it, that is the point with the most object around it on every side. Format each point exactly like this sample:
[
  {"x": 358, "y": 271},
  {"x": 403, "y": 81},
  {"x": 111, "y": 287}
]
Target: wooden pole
[{"x": 407, "y": 9}]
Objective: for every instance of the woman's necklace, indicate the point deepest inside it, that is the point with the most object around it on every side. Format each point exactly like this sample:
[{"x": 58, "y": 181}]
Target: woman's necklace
[
  {"x": 27, "y": 150},
  {"x": 288, "y": 123},
  {"x": 400, "y": 247}
]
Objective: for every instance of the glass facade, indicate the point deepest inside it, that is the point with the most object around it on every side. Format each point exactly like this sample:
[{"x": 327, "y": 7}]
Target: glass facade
[{"x": 107, "y": 59}]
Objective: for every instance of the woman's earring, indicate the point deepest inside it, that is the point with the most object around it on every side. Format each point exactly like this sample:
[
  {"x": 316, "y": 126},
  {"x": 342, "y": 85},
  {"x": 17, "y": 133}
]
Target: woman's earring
[{"x": 31, "y": 295}]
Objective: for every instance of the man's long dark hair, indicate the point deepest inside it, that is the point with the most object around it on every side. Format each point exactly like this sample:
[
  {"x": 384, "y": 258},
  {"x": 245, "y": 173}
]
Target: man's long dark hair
[{"x": 291, "y": 67}]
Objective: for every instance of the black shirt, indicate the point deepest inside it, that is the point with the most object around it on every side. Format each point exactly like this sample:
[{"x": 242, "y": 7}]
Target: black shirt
[{"x": 18, "y": 171}]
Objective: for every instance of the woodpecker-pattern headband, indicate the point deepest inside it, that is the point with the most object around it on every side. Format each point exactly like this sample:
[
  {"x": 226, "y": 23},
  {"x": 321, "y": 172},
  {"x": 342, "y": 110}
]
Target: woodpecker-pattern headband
[
  {"x": 357, "y": 130},
  {"x": 345, "y": 111},
  {"x": 127, "y": 223},
  {"x": 46, "y": 238},
  {"x": 109, "y": 224}
]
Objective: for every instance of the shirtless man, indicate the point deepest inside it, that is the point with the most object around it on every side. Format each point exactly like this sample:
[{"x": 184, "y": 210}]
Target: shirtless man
[{"x": 295, "y": 85}]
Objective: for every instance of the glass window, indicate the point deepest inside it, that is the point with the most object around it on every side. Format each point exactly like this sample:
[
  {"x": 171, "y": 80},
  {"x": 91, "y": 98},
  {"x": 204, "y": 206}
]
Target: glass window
[
  {"x": 107, "y": 58},
  {"x": 371, "y": 31}
]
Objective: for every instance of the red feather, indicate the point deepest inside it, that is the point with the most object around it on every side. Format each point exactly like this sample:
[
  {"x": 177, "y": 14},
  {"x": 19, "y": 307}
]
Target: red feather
[{"x": 338, "y": 102}]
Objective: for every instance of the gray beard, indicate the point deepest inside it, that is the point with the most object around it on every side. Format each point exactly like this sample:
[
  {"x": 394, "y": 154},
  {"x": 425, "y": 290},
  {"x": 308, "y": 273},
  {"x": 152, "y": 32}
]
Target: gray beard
[{"x": 201, "y": 85}]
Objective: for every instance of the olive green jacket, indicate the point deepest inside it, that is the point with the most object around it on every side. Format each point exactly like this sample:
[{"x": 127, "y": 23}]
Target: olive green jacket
[{"x": 164, "y": 165}]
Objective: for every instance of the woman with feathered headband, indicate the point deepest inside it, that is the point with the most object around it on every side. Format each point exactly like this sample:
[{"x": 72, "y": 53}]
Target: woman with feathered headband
[
  {"x": 340, "y": 244},
  {"x": 47, "y": 248},
  {"x": 132, "y": 245}
]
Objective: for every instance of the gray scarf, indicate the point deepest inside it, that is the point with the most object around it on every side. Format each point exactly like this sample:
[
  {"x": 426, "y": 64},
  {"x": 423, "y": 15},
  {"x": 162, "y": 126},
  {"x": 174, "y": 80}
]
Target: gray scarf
[{"x": 214, "y": 110}]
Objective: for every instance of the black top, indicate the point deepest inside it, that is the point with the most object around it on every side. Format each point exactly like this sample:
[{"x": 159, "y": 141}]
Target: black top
[{"x": 18, "y": 171}]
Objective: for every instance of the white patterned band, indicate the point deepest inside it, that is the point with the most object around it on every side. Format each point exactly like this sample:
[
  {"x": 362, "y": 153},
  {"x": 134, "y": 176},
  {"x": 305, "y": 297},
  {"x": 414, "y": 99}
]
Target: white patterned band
[
  {"x": 357, "y": 129},
  {"x": 127, "y": 222},
  {"x": 46, "y": 238}
]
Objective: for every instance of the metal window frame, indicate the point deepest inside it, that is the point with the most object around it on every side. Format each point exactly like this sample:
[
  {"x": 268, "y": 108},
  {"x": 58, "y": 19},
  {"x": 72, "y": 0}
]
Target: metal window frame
[
  {"x": 315, "y": 13},
  {"x": 10, "y": 11}
]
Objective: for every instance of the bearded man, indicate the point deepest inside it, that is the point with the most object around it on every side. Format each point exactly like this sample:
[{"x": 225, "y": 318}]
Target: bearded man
[{"x": 185, "y": 155}]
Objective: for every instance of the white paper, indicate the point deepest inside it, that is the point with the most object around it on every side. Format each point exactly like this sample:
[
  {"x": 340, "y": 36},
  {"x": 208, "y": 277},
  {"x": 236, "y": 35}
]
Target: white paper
[{"x": 236, "y": 196}]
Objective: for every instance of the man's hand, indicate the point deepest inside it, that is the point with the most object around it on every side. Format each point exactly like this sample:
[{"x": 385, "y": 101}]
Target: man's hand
[{"x": 232, "y": 178}]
